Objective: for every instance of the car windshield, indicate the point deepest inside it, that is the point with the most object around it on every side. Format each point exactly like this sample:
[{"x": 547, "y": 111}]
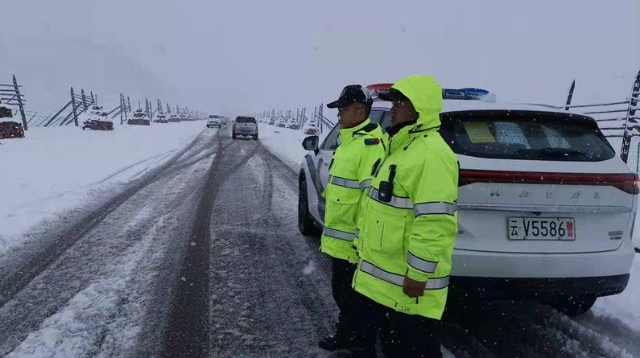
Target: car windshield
[{"x": 245, "y": 120}]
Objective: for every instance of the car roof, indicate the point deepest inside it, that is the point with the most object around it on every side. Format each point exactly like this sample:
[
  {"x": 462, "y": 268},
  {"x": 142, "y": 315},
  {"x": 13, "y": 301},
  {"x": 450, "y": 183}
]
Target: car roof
[{"x": 452, "y": 105}]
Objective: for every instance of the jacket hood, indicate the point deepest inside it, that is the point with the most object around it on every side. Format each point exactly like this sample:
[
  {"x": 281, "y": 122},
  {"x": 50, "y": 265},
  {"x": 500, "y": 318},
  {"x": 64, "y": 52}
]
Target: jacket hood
[{"x": 426, "y": 96}]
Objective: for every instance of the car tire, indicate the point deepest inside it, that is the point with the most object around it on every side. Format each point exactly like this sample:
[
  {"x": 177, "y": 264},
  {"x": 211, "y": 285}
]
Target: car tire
[
  {"x": 255, "y": 137},
  {"x": 233, "y": 136},
  {"x": 305, "y": 222},
  {"x": 574, "y": 306}
]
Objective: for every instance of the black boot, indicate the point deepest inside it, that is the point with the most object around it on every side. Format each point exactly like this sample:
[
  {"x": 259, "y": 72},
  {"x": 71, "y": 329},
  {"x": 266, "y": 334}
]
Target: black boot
[
  {"x": 358, "y": 352},
  {"x": 340, "y": 340},
  {"x": 336, "y": 342}
]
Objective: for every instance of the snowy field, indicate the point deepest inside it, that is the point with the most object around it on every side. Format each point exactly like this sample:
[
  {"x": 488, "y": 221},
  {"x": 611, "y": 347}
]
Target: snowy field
[
  {"x": 615, "y": 310},
  {"x": 56, "y": 169}
]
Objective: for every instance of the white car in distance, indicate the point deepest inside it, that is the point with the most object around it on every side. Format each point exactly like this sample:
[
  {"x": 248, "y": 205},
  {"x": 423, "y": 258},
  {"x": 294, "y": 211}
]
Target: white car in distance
[{"x": 214, "y": 121}]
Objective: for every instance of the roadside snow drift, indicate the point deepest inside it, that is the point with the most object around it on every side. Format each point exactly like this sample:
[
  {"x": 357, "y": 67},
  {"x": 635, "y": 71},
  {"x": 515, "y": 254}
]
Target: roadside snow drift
[{"x": 55, "y": 169}]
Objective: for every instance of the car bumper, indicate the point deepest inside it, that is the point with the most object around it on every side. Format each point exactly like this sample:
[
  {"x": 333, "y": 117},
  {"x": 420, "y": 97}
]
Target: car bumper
[
  {"x": 245, "y": 133},
  {"x": 537, "y": 288},
  {"x": 508, "y": 274}
]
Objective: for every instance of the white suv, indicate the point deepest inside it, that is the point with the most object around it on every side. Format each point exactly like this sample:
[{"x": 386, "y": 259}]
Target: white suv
[
  {"x": 546, "y": 208},
  {"x": 214, "y": 121}
]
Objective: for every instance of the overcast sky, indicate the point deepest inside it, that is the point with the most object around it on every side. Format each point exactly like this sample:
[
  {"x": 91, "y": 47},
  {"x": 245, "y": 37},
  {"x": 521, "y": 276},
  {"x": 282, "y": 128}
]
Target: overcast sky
[{"x": 246, "y": 55}]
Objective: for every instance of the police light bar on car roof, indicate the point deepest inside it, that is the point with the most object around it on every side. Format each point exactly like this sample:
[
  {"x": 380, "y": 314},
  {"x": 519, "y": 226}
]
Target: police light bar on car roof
[
  {"x": 375, "y": 89},
  {"x": 447, "y": 93}
]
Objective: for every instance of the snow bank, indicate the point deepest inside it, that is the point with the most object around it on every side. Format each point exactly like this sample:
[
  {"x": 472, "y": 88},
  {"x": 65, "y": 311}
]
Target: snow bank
[
  {"x": 56, "y": 169},
  {"x": 285, "y": 143},
  {"x": 625, "y": 306}
]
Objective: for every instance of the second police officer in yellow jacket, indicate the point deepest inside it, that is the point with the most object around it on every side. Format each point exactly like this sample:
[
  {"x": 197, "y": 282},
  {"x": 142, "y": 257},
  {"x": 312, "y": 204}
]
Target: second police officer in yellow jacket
[
  {"x": 408, "y": 227},
  {"x": 361, "y": 148}
]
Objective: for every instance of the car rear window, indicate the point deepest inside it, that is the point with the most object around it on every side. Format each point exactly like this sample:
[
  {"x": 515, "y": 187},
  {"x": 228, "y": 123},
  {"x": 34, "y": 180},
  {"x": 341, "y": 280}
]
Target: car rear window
[
  {"x": 525, "y": 135},
  {"x": 245, "y": 120}
]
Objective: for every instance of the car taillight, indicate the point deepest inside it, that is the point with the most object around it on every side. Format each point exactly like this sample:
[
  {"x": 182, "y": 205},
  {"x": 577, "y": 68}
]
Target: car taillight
[{"x": 625, "y": 182}]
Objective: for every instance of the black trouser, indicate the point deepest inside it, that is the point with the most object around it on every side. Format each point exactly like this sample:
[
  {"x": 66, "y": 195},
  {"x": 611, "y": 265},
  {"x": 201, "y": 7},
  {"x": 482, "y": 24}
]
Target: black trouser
[
  {"x": 401, "y": 335},
  {"x": 346, "y": 298}
]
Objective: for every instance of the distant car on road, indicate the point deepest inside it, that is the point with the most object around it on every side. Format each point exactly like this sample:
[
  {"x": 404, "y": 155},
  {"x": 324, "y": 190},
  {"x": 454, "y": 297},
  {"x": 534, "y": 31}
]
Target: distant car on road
[
  {"x": 246, "y": 127},
  {"x": 546, "y": 209},
  {"x": 173, "y": 118},
  {"x": 214, "y": 121}
]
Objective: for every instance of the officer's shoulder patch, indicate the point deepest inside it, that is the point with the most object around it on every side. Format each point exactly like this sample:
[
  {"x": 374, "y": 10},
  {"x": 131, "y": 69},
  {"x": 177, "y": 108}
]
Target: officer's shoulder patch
[{"x": 372, "y": 141}]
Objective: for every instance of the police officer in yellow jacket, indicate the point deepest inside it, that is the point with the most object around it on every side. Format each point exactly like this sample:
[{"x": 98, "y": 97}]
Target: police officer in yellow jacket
[
  {"x": 409, "y": 225},
  {"x": 350, "y": 175}
]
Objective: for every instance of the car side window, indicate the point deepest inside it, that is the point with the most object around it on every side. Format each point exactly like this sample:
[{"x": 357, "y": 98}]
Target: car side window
[
  {"x": 386, "y": 121},
  {"x": 376, "y": 115},
  {"x": 331, "y": 142}
]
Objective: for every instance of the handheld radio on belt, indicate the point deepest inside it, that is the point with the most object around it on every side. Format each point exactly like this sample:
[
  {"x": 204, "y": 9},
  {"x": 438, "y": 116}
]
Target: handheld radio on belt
[{"x": 385, "y": 192}]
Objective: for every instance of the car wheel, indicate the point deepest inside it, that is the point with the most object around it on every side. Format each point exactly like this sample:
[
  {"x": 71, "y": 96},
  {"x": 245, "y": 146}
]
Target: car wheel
[
  {"x": 573, "y": 306},
  {"x": 233, "y": 136},
  {"x": 305, "y": 223},
  {"x": 255, "y": 137}
]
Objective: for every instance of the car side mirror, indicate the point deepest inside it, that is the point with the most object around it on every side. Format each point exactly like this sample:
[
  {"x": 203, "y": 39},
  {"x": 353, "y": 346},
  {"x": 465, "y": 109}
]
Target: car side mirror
[{"x": 311, "y": 143}]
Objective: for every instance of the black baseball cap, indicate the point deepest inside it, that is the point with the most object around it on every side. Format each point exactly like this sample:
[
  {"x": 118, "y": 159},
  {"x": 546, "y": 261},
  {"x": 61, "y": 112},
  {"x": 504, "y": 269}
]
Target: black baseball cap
[
  {"x": 392, "y": 95},
  {"x": 350, "y": 95}
]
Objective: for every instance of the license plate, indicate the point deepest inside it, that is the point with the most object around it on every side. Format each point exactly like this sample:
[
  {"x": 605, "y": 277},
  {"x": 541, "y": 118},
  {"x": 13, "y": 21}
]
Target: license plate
[{"x": 527, "y": 228}]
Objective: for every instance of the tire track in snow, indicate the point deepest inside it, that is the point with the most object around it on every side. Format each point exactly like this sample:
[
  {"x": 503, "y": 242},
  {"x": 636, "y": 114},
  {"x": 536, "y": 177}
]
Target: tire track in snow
[
  {"x": 266, "y": 290},
  {"x": 133, "y": 165},
  {"x": 187, "y": 334}
]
